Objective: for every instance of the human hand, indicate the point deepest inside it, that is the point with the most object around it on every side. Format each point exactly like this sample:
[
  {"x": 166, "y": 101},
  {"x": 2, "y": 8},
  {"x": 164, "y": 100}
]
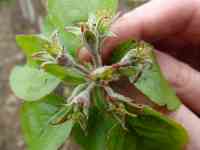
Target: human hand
[{"x": 174, "y": 23}]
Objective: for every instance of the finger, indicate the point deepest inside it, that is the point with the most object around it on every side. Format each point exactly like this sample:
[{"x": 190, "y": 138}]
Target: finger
[
  {"x": 184, "y": 79},
  {"x": 152, "y": 21},
  {"x": 191, "y": 123}
]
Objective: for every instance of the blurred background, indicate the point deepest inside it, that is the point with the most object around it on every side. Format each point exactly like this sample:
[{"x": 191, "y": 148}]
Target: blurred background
[
  {"x": 16, "y": 17},
  {"x": 25, "y": 17}
]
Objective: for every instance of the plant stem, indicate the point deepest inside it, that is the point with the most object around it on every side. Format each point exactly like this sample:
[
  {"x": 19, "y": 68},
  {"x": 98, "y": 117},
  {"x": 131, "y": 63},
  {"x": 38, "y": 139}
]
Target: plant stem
[
  {"x": 121, "y": 98},
  {"x": 81, "y": 68},
  {"x": 98, "y": 50},
  {"x": 138, "y": 74},
  {"x": 117, "y": 96}
]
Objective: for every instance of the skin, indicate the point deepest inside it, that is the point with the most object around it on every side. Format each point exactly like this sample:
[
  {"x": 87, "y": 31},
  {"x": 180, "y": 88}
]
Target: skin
[{"x": 168, "y": 24}]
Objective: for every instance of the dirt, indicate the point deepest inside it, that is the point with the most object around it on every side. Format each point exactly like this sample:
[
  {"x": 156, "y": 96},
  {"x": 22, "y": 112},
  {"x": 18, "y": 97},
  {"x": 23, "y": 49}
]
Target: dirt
[{"x": 11, "y": 23}]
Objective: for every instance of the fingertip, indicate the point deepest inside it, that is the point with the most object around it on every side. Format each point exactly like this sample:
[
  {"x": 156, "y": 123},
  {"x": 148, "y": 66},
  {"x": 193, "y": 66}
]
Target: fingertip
[
  {"x": 108, "y": 46},
  {"x": 191, "y": 123}
]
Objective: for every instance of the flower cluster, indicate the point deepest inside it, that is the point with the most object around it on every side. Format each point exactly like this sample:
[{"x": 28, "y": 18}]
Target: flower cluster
[{"x": 92, "y": 34}]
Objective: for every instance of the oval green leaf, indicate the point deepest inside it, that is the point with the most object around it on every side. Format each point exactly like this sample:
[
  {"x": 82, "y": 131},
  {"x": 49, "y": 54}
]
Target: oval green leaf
[
  {"x": 31, "y": 84},
  {"x": 155, "y": 131},
  {"x": 38, "y": 133}
]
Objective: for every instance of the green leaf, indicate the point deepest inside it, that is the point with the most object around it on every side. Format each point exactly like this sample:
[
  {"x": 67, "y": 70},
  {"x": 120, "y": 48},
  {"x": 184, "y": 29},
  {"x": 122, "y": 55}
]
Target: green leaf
[
  {"x": 75, "y": 12},
  {"x": 39, "y": 135},
  {"x": 157, "y": 132},
  {"x": 99, "y": 125},
  {"x": 32, "y": 84},
  {"x": 32, "y": 43},
  {"x": 152, "y": 82},
  {"x": 120, "y": 139},
  {"x": 149, "y": 131},
  {"x": 154, "y": 85},
  {"x": 68, "y": 75},
  {"x": 62, "y": 13},
  {"x": 99, "y": 98},
  {"x": 96, "y": 137}
]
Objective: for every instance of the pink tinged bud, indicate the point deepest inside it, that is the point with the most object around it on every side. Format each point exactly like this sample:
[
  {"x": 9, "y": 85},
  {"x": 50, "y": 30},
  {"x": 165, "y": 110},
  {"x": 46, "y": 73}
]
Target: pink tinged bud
[
  {"x": 82, "y": 99},
  {"x": 63, "y": 60}
]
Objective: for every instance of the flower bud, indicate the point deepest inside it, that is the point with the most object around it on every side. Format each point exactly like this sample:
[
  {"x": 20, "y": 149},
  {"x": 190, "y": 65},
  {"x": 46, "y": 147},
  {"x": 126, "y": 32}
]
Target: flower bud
[
  {"x": 63, "y": 60},
  {"x": 83, "y": 98},
  {"x": 90, "y": 41},
  {"x": 105, "y": 73}
]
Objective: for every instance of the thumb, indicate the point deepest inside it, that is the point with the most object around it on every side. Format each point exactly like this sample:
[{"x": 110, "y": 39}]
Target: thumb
[
  {"x": 152, "y": 21},
  {"x": 184, "y": 79},
  {"x": 191, "y": 123}
]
